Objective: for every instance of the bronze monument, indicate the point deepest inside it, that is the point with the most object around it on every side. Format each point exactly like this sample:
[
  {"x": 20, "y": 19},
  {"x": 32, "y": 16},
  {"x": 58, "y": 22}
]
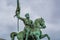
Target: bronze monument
[{"x": 32, "y": 30}]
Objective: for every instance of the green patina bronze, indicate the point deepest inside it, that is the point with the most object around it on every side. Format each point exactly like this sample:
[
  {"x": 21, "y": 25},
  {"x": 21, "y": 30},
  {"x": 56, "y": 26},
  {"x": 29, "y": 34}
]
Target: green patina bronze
[{"x": 32, "y": 30}]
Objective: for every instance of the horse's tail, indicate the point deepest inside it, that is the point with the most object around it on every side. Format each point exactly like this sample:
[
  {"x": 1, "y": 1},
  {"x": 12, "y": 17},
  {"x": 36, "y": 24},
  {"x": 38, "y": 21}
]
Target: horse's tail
[{"x": 12, "y": 35}]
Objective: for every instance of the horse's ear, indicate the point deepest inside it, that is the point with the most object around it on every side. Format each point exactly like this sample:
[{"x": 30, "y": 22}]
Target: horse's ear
[{"x": 42, "y": 18}]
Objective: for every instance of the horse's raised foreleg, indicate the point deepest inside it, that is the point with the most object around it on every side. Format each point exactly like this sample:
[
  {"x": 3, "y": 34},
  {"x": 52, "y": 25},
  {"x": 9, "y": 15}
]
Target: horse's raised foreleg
[
  {"x": 20, "y": 35},
  {"x": 12, "y": 35},
  {"x": 45, "y": 35},
  {"x": 12, "y": 38}
]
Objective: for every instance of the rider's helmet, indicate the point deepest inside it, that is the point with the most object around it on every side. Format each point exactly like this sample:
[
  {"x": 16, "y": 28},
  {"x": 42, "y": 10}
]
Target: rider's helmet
[{"x": 27, "y": 15}]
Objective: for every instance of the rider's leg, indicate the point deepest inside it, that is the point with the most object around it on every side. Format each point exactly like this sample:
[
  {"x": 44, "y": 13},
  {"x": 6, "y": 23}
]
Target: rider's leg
[
  {"x": 27, "y": 33},
  {"x": 20, "y": 39},
  {"x": 45, "y": 35}
]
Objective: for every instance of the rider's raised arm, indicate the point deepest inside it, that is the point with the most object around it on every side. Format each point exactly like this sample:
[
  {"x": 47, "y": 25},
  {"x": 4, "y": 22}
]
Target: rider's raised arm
[{"x": 18, "y": 16}]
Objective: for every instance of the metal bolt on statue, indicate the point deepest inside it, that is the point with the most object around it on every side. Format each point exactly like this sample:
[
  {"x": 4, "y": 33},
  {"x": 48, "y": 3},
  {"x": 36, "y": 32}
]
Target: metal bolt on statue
[{"x": 32, "y": 30}]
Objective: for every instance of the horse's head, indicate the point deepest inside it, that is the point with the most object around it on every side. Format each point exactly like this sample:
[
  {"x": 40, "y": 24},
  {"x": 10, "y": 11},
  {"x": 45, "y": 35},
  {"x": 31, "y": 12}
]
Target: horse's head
[{"x": 42, "y": 23}]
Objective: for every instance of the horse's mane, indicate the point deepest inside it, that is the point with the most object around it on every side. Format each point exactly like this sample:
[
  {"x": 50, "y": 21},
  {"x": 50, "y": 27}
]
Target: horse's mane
[{"x": 39, "y": 19}]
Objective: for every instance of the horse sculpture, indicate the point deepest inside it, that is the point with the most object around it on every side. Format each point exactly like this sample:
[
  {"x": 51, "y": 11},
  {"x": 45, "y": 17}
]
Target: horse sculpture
[
  {"x": 38, "y": 25},
  {"x": 35, "y": 33}
]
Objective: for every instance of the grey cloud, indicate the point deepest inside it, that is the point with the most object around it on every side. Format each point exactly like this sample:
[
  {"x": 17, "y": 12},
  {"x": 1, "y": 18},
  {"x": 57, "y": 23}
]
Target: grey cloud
[
  {"x": 56, "y": 12},
  {"x": 11, "y": 2}
]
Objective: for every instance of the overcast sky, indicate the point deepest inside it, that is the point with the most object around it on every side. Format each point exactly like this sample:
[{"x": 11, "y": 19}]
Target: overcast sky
[{"x": 48, "y": 9}]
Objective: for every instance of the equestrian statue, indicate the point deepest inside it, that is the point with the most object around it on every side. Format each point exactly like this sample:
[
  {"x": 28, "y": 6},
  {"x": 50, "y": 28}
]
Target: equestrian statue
[{"x": 32, "y": 30}]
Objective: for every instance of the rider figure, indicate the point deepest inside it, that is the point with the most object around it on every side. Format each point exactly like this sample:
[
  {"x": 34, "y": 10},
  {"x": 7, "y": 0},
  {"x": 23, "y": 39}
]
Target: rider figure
[{"x": 27, "y": 22}]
